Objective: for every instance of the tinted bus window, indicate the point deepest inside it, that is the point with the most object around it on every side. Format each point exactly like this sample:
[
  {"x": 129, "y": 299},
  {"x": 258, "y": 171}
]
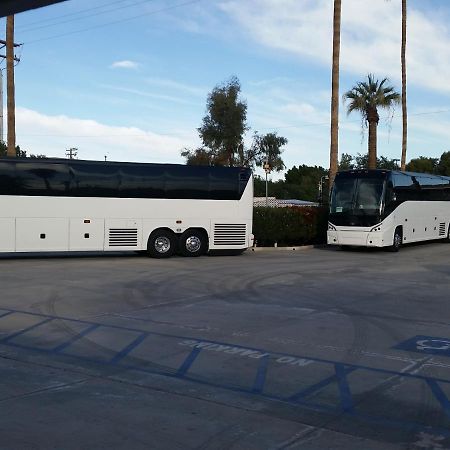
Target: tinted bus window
[
  {"x": 94, "y": 180},
  {"x": 140, "y": 181},
  {"x": 187, "y": 182},
  {"x": 224, "y": 184},
  {"x": 41, "y": 179},
  {"x": 7, "y": 178}
]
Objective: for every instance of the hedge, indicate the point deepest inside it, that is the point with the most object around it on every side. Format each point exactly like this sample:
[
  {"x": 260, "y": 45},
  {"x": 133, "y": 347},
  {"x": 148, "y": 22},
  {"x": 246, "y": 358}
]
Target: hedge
[{"x": 289, "y": 226}]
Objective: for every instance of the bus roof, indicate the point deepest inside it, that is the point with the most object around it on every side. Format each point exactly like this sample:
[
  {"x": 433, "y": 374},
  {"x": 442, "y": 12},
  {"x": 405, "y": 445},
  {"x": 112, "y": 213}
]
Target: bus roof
[{"x": 383, "y": 172}]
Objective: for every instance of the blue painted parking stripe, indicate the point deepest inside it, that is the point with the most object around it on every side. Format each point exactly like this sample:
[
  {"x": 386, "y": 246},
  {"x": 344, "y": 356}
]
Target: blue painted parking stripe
[
  {"x": 75, "y": 338},
  {"x": 260, "y": 378},
  {"x": 188, "y": 362},
  {"x": 344, "y": 388},
  {"x": 25, "y": 330},
  {"x": 317, "y": 386},
  {"x": 124, "y": 352},
  {"x": 440, "y": 395}
]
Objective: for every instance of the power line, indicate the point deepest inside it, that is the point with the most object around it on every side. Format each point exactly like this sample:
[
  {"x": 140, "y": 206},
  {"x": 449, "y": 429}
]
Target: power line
[
  {"x": 82, "y": 11},
  {"x": 86, "y": 16},
  {"x": 179, "y": 5}
]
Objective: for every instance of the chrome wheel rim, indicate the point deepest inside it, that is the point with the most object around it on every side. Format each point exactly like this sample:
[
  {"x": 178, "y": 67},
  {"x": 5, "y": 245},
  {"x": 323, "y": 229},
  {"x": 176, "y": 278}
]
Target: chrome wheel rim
[
  {"x": 397, "y": 240},
  {"x": 193, "y": 244},
  {"x": 162, "y": 244}
]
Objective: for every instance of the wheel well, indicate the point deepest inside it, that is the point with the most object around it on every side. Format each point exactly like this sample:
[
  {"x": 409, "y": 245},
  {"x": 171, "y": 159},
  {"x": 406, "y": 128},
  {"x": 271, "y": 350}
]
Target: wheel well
[
  {"x": 159, "y": 229},
  {"x": 400, "y": 228},
  {"x": 201, "y": 230}
]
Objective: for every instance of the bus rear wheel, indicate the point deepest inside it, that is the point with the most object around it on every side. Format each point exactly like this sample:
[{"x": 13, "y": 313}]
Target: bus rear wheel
[
  {"x": 161, "y": 244},
  {"x": 193, "y": 243}
]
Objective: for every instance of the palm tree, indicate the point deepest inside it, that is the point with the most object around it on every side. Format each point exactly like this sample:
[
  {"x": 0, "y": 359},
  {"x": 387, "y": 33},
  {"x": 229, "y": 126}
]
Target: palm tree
[
  {"x": 404, "y": 111},
  {"x": 335, "y": 92},
  {"x": 366, "y": 98}
]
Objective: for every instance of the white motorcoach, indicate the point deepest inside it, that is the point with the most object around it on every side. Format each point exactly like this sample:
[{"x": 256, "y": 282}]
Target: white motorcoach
[
  {"x": 74, "y": 205},
  {"x": 383, "y": 208}
]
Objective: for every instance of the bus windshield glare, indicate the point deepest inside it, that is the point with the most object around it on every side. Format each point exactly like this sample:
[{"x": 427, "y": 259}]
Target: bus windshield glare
[{"x": 354, "y": 198}]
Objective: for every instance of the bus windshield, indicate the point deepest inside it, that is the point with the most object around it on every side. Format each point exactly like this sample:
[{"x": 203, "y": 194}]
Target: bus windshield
[{"x": 356, "y": 201}]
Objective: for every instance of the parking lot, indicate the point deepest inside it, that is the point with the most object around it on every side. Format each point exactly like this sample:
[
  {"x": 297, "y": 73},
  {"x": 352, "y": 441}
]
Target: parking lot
[{"x": 312, "y": 349}]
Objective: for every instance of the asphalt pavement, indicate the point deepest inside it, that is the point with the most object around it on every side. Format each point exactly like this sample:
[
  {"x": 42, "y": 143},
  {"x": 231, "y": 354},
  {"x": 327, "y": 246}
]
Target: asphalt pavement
[{"x": 310, "y": 349}]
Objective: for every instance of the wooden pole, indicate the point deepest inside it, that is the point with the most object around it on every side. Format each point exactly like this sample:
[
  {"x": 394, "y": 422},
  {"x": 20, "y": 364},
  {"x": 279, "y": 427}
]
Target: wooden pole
[{"x": 11, "y": 104}]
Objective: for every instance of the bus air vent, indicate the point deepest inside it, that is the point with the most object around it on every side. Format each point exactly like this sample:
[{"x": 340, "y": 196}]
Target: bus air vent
[
  {"x": 123, "y": 237},
  {"x": 442, "y": 229},
  {"x": 229, "y": 234}
]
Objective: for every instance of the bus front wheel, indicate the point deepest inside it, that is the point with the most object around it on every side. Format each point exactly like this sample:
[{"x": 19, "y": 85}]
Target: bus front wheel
[
  {"x": 193, "y": 243},
  {"x": 161, "y": 244},
  {"x": 397, "y": 240}
]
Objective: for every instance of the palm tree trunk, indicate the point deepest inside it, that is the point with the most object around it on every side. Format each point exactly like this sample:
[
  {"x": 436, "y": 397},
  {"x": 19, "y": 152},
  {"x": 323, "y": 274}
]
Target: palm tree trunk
[
  {"x": 373, "y": 124},
  {"x": 404, "y": 111},
  {"x": 334, "y": 146}
]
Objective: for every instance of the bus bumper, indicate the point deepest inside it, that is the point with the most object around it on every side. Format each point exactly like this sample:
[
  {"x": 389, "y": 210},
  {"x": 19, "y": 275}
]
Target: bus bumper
[{"x": 355, "y": 238}]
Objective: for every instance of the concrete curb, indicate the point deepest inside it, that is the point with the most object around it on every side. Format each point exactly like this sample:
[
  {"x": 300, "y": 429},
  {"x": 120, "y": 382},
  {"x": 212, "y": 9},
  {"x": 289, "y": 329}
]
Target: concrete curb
[{"x": 283, "y": 249}]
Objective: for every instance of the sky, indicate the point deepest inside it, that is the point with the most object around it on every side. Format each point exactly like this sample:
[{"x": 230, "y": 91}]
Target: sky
[{"x": 128, "y": 79}]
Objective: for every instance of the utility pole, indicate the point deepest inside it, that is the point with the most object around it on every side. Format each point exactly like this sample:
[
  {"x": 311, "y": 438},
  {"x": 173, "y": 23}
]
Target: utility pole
[
  {"x": 3, "y": 44},
  {"x": 10, "y": 86},
  {"x": 72, "y": 153}
]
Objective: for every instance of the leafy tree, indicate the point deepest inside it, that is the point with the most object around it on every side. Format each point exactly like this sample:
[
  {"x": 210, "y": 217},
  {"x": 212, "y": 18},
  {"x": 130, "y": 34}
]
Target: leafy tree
[
  {"x": 423, "y": 164},
  {"x": 443, "y": 168},
  {"x": 222, "y": 133},
  {"x": 346, "y": 162},
  {"x": 362, "y": 162},
  {"x": 366, "y": 98},
  {"x": 4, "y": 149},
  {"x": 265, "y": 148},
  {"x": 198, "y": 157},
  {"x": 307, "y": 178},
  {"x": 224, "y": 125}
]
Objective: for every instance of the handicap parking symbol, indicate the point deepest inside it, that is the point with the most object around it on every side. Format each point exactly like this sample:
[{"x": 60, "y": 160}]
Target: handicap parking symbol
[{"x": 426, "y": 344}]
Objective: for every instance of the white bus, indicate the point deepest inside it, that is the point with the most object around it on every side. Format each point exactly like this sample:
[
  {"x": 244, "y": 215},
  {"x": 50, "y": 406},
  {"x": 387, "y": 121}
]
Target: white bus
[
  {"x": 382, "y": 208},
  {"x": 72, "y": 205}
]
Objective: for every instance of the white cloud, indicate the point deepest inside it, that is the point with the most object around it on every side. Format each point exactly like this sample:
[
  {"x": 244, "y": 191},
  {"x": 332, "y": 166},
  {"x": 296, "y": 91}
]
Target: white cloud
[
  {"x": 125, "y": 64},
  {"x": 51, "y": 135},
  {"x": 370, "y": 36}
]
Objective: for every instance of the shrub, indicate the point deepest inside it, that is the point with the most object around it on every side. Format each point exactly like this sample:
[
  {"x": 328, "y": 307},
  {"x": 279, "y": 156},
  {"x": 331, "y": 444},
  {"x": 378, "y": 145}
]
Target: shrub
[{"x": 289, "y": 226}]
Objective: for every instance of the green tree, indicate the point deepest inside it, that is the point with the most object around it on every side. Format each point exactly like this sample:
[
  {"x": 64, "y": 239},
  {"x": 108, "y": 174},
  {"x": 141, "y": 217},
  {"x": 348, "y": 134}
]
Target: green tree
[
  {"x": 222, "y": 133},
  {"x": 265, "y": 148},
  {"x": 366, "y": 98},
  {"x": 225, "y": 123},
  {"x": 443, "y": 167},
  {"x": 307, "y": 179},
  {"x": 4, "y": 150},
  {"x": 346, "y": 162},
  {"x": 422, "y": 164}
]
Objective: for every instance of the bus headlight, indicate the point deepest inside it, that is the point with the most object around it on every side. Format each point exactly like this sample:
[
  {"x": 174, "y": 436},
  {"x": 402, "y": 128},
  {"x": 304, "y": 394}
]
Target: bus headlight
[{"x": 331, "y": 227}]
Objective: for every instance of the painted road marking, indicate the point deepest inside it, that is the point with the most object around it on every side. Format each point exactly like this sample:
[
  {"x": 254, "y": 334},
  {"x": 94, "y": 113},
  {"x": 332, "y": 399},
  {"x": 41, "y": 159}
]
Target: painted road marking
[
  {"x": 426, "y": 344},
  {"x": 242, "y": 351},
  {"x": 343, "y": 375}
]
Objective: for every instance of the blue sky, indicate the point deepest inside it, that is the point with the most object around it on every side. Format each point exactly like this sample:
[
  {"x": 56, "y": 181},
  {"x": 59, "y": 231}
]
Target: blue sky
[{"x": 129, "y": 79}]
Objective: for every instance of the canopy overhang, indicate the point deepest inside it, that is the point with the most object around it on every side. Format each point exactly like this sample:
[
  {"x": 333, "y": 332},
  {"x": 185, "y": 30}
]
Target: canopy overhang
[{"x": 9, "y": 7}]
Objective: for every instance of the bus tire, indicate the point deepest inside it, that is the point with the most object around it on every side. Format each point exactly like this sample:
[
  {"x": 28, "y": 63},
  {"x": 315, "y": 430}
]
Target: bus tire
[
  {"x": 161, "y": 244},
  {"x": 397, "y": 240},
  {"x": 193, "y": 243}
]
